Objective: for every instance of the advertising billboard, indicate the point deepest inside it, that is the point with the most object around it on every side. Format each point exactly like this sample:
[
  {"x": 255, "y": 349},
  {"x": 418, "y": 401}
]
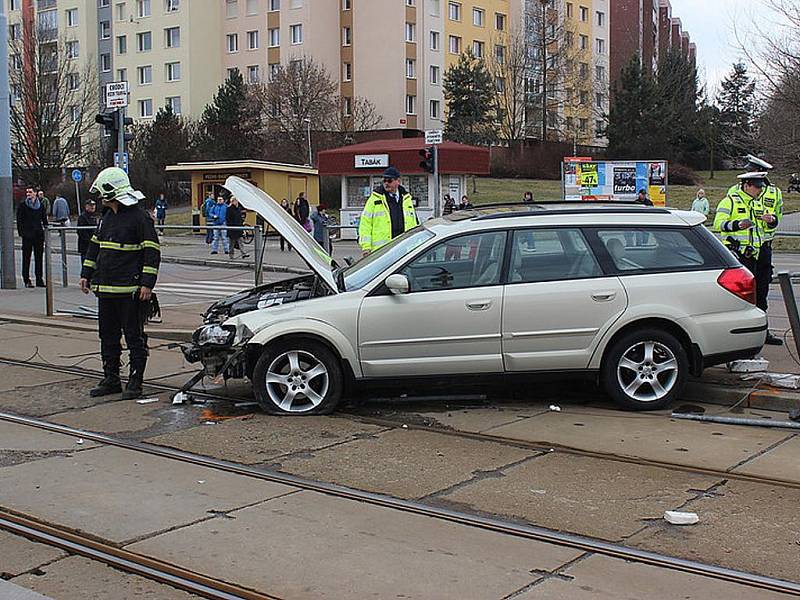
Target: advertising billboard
[{"x": 585, "y": 179}]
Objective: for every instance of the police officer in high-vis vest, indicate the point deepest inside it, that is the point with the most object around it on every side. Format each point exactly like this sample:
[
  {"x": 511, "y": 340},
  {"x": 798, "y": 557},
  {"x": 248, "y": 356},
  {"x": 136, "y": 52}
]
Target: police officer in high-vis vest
[
  {"x": 121, "y": 267},
  {"x": 388, "y": 213}
]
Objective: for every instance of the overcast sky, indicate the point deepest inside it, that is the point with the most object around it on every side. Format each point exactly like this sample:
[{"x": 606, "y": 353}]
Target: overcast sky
[{"x": 711, "y": 26}]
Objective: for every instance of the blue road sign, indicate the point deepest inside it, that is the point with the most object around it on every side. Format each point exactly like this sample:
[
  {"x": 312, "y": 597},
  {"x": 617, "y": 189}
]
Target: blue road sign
[{"x": 77, "y": 175}]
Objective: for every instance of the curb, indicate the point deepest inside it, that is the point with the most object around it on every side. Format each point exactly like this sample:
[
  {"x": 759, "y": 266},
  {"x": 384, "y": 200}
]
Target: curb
[
  {"x": 766, "y": 398},
  {"x": 177, "y": 335}
]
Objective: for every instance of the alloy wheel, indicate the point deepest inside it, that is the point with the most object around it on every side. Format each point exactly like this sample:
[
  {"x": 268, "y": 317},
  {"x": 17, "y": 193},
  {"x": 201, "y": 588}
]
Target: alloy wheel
[
  {"x": 647, "y": 371},
  {"x": 297, "y": 381}
]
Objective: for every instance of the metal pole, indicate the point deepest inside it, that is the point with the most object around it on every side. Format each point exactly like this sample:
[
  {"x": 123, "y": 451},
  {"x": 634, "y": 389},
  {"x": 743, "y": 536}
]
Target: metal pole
[
  {"x": 736, "y": 420},
  {"x": 64, "y": 275},
  {"x": 785, "y": 279},
  {"x": 258, "y": 250},
  {"x": 7, "y": 269},
  {"x": 437, "y": 191},
  {"x": 310, "y": 156},
  {"x": 48, "y": 273},
  {"x": 78, "y": 199},
  {"x": 326, "y": 239},
  {"x": 121, "y": 136}
]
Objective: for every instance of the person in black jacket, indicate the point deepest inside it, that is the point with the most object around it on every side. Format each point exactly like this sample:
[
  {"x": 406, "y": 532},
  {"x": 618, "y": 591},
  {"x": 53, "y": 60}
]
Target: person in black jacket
[
  {"x": 31, "y": 226},
  {"x": 88, "y": 218},
  {"x": 235, "y": 218},
  {"x": 302, "y": 211},
  {"x": 121, "y": 267}
]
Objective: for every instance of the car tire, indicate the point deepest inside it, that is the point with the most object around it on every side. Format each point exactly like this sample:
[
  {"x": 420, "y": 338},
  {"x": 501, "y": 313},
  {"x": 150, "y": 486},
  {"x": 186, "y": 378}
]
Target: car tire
[
  {"x": 645, "y": 369},
  {"x": 301, "y": 377}
]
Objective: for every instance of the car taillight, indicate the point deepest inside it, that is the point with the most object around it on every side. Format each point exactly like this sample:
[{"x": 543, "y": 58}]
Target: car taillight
[{"x": 740, "y": 282}]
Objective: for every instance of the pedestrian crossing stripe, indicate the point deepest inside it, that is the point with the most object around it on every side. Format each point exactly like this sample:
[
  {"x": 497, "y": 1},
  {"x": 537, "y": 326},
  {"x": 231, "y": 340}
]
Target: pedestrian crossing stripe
[{"x": 206, "y": 289}]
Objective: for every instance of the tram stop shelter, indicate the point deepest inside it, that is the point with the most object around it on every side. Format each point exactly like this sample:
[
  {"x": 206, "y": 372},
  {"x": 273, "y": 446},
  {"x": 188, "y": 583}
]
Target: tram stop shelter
[
  {"x": 361, "y": 167},
  {"x": 279, "y": 180}
]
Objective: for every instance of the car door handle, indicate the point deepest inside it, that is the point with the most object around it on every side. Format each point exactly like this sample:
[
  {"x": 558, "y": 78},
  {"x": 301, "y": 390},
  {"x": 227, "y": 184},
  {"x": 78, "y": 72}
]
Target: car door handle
[
  {"x": 479, "y": 305},
  {"x": 604, "y": 296}
]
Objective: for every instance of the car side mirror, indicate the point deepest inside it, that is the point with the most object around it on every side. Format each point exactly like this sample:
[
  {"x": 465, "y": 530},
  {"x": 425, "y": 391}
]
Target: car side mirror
[{"x": 398, "y": 284}]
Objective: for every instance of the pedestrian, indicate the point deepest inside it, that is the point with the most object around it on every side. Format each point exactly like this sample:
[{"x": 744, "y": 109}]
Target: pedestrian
[
  {"x": 88, "y": 218},
  {"x": 208, "y": 206},
  {"x": 388, "y": 212},
  {"x": 527, "y": 198},
  {"x": 302, "y": 211},
  {"x": 285, "y": 206},
  {"x": 61, "y": 212},
  {"x": 219, "y": 218},
  {"x": 320, "y": 219},
  {"x": 449, "y": 205},
  {"x": 700, "y": 203},
  {"x": 465, "y": 203},
  {"x": 161, "y": 211},
  {"x": 121, "y": 268},
  {"x": 235, "y": 218},
  {"x": 31, "y": 226},
  {"x": 44, "y": 200},
  {"x": 643, "y": 198}
]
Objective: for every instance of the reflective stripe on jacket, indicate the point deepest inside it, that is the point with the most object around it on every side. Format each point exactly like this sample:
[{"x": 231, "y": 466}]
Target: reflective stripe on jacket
[
  {"x": 772, "y": 201},
  {"x": 124, "y": 254},
  {"x": 738, "y": 206},
  {"x": 375, "y": 226}
]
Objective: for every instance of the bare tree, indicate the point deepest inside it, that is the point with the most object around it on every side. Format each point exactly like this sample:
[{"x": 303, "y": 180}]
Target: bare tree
[
  {"x": 53, "y": 105},
  {"x": 363, "y": 115}
]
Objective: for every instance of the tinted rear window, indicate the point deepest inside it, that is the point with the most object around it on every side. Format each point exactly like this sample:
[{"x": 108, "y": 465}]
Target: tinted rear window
[{"x": 633, "y": 250}]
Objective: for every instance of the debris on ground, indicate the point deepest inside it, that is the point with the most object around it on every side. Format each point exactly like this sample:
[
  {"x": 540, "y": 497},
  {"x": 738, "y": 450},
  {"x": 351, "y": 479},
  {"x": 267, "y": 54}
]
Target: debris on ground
[
  {"x": 681, "y": 518},
  {"x": 79, "y": 441},
  {"x": 147, "y": 401},
  {"x": 750, "y": 365},
  {"x": 555, "y": 408},
  {"x": 781, "y": 380},
  {"x": 181, "y": 398}
]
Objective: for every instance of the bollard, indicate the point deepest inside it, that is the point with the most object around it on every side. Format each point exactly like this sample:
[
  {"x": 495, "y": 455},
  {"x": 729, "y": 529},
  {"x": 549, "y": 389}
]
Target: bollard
[
  {"x": 785, "y": 279},
  {"x": 64, "y": 274},
  {"x": 48, "y": 273},
  {"x": 258, "y": 254}
]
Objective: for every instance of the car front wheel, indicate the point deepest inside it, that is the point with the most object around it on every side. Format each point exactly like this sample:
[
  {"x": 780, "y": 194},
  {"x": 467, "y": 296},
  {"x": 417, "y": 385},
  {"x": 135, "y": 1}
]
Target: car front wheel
[
  {"x": 645, "y": 369},
  {"x": 300, "y": 377}
]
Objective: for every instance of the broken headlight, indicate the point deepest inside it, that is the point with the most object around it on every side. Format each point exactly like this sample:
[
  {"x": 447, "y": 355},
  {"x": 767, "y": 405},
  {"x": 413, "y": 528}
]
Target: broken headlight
[{"x": 214, "y": 335}]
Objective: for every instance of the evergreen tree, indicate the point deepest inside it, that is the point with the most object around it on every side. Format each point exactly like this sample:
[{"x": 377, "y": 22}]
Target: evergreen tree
[
  {"x": 737, "y": 107},
  {"x": 470, "y": 92},
  {"x": 677, "y": 98},
  {"x": 632, "y": 118},
  {"x": 230, "y": 127}
]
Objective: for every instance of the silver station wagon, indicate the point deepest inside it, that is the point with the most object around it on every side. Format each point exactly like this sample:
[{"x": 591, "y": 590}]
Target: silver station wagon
[{"x": 640, "y": 297}]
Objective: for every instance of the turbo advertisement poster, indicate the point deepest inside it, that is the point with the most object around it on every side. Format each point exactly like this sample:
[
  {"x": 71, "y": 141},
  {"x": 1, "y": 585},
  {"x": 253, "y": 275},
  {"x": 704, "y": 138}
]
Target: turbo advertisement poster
[{"x": 585, "y": 179}]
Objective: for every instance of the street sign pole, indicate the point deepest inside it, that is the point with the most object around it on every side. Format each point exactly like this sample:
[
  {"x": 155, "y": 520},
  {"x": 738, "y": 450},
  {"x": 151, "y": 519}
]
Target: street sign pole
[
  {"x": 121, "y": 134},
  {"x": 7, "y": 269},
  {"x": 437, "y": 192},
  {"x": 77, "y": 175}
]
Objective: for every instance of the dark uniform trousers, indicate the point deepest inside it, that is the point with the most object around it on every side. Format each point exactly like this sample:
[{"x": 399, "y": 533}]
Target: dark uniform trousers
[
  {"x": 35, "y": 246},
  {"x": 763, "y": 273},
  {"x": 126, "y": 316}
]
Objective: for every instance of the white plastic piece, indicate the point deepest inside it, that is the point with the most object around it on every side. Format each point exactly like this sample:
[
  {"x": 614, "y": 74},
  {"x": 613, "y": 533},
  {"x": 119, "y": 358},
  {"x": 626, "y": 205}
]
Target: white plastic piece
[
  {"x": 752, "y": 365},
  {"x": 781, "y": 380},
  {"x": 180, "y": 398},
  {"x": 681, "y": 518},
  {"x": 79, "y": 441},
  {"x": 405, "y": 426},
  {"x": 555, "y": 408},
  {"x": 147, "y": 401}
]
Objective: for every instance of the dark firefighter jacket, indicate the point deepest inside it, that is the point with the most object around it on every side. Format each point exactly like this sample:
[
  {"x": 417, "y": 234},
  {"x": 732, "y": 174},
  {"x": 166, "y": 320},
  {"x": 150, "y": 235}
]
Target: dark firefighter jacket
[{"x": 124, "y": 254}]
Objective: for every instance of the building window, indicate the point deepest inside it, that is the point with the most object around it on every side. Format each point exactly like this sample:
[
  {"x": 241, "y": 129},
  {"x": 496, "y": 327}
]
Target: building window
[
  {"x": 434, "y": 75},
  {"x": 599, "y": 99},
  {"x": 174, "y": 102},
  {"x": 584, "y": 42},
  {"x": 173, "y": 71},
  {"x": 411, "y": 105},
  {"x": 411, "y": 68},
  {"x": 105, "y": 30},
  {"x": 601, "y": 19},
  {"x": 477, "y": 48},
  {"x": 72, "y": 17},
  {"x": 500, "y": 84},
  {"x": 346, "y": 4},
  {"x": 599, "y": 125},
  {"x": 73, "y": 81},
  {"x": 172, "y": 37},
  {"x": 584, "y": 14},
  {"x": 569, "y": 10},
  {"x": 569, "y": 40},
  {"x": 435, "y": 109},
  {"x": 73, "y": 49},
  {"x": 499, "y": 21},
  {"x": 143, "y": 8},
  {"x": 347, "y": 72},
  {"x": 105, "y": 62},
  {"x": 583, "y": 125},
  {"x": 172, "y": 5},
  {"x": 454, "y": 11},
  {"x": 274, "y": 5},
  {"x": 252, "y": 7},
  {"x": 583, "y": 70},
  {"x": 232, "y": 42},
  {"x": 231, "y": 8},
  {"x": 454, "y": 43},
  {"x": 13, "y": 4},
  {"x": 120, "y": 8},
  {"x": 253, "y": 76},
  {"x": 434, "y": 39},
  {"x": 252, "y": 40},
  {"x": 411, "y": 32},
  {"x": 145, "y": 75},
  {"x": 122, "y": 74},
  {"x": 14, "y": 31},
  {"x": 411, "y": 3},
  {"x": 584, "y": 98},
  {"x": 601, "y": 46},
  {"x": 478, "y": 17},
  {"x": 296, "y": 34},
  {"x": 144, "y": 41},
  {"x": 500, "y": 55},
  {"x": 16, "y": 63},
  {"x": 346, "y": 36},
  {"x": 146, "y": 108},
  {"x": 347, "y": 106},
  {"x": 600, "y": 73},
  {"x": 274, "y": 36},
  {"x": 103, "y": 3},
  {"x": 122, "y": 44},
  {"x": 273, "y": 70}
]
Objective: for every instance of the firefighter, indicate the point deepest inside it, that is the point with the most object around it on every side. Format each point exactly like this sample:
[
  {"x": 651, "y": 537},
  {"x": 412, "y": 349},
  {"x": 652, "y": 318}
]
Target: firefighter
[
  {"x": 121, "y": 267},
  {"x": 389, "y": 212}
]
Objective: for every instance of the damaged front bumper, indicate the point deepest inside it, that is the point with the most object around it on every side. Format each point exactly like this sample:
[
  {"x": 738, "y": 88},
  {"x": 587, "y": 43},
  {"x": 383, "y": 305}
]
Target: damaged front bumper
[{"x": 221, "y": 349}]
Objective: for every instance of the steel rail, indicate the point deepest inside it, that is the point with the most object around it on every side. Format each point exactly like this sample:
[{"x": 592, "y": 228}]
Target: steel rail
[
  {"x": 537, "y": 446},
  {"x": 531, "y": 532},
  {"x": 144, "y": 566}
]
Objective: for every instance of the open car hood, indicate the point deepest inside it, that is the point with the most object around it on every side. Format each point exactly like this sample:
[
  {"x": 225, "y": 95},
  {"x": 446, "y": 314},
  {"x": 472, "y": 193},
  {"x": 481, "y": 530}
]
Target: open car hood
[{"x": 253, "y": 198}]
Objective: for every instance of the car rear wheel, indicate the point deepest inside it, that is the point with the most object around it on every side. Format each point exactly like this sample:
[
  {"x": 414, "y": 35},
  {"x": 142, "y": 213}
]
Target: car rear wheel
[
  {"x": 645, "y": 369},
  {"x": 300, "y": 377}
]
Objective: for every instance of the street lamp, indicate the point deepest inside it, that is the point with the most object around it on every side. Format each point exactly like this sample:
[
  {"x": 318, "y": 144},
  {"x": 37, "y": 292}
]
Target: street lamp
[{"x": 308, "y": 129}]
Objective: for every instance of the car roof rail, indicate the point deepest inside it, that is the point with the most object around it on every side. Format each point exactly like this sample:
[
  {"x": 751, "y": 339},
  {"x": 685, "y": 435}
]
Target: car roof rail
[{"x": 540, "y": 210}]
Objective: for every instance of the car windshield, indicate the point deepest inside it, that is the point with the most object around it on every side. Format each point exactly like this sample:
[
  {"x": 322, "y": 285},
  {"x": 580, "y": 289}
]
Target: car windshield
[{"x": 372, "y": 265}]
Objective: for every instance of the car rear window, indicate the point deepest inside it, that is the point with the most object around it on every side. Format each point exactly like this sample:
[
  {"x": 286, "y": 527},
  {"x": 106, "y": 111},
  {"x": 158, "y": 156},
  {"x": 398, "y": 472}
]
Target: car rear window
[{"x": 641, "y": 250}]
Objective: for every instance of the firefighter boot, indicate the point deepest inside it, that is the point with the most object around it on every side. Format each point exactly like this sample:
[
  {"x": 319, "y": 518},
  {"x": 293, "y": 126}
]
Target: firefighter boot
[
  {"x": 135, "y": 379},
  {"x": 110, "y": 383}
]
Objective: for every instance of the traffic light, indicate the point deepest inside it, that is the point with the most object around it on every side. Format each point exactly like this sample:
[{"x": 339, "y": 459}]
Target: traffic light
[
  {"x": 110, "y": 121},
  {"x": 428, "y": 162}
]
